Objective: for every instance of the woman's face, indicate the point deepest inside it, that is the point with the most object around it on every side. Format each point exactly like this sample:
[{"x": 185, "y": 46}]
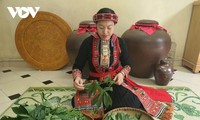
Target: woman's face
[{"x": 105, "y": 29}]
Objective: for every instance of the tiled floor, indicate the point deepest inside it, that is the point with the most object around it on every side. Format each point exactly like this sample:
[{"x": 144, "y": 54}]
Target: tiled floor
[{"x": 15, "y": 80}]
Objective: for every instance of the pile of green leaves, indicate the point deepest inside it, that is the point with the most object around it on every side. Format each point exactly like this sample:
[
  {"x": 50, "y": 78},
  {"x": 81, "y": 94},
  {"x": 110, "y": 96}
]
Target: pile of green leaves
[
  {"x": 102, "y": 96},
  {"x": 44, "y": 111},
  {"x": 122, "y": 116}
]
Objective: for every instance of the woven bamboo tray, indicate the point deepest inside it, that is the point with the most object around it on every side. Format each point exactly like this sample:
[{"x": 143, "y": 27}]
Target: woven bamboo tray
[
  {"x": 131, "y": 112},
  {"x": 41, "y": 41}
]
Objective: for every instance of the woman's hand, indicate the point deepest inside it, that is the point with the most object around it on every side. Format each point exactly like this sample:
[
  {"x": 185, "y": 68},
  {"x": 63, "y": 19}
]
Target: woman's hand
[
  {"x": 78, "y": 83},
  {"x": 119, "y": 78}
]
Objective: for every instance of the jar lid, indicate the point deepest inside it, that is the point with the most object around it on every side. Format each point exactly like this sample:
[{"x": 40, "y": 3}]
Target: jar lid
[
  {"x": 144, "y": 21},
  {"x": 87, "y": 22}
]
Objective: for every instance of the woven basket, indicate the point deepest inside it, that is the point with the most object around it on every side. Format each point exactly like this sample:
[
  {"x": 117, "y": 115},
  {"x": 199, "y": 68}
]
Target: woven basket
[
  {"x": 131, "y": 112},
  {"x": 41, "y": 41}
]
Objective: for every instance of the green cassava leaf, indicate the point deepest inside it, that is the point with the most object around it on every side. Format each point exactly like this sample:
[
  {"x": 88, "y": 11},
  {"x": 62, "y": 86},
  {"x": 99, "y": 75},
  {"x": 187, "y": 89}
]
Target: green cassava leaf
[
  {"x": 92, "y": 89},
  {"x": 55, "y": 99},
  {"x": 95, "y": 99},
  {"x": 40, "y": 112},
  {"x": 120, "y": 116},
  {"x": 107, "y": 100},
  {"x": 30, "y": 108},
  {"x": 106, "y": 103},
  {"x": 59, "y": 110},
  {"x": 112, "y": 117},
  {"x": 108, "y": 89},
  {"x": 87, "y": 86},
  {"x": 19, "y": 110},
  {"x": 45, "y": 111},
  {"x": 103, "y": 96},
  {"x": 47, "y": 103},
  {"x": 8, "y": 118},
  {"x": 100, "y": 100}
]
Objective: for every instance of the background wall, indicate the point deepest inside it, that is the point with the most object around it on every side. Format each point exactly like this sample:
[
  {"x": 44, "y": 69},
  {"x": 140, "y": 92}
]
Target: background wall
[{"x": 174, "y": 15}]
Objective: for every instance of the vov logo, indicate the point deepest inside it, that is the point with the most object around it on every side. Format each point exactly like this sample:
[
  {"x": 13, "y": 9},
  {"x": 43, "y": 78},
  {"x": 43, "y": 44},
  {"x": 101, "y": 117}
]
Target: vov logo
[{"x": 23, "y": 12}]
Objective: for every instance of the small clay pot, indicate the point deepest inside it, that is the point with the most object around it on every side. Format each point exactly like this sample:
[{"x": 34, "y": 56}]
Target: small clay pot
[{"x": 163, "y": 73}]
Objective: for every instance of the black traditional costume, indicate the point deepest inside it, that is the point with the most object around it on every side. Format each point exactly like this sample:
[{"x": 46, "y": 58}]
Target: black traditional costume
[{"x": 111, "y": 57}]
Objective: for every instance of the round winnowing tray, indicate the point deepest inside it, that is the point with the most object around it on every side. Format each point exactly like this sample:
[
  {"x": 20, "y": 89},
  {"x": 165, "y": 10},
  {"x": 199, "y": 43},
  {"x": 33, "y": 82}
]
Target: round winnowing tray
[{"x": 41, "y": 41}]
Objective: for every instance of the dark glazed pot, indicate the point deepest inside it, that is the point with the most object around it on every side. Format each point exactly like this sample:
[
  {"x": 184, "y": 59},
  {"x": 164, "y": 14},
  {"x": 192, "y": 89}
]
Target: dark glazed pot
[
  {"x": 86, "y": 28},
  {"x": 147, "y": 44},
  {"x": 163, "y": 73}
]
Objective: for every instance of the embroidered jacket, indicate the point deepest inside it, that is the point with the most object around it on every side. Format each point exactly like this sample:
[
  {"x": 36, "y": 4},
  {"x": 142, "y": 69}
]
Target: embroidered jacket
[{"x": 89, "y": 51}]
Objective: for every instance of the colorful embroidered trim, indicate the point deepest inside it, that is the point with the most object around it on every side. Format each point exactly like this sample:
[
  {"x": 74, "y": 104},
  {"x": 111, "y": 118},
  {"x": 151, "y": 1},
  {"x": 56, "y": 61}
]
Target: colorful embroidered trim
[
  {"x": 76, "y": 73},
  {"x": 105, "y": 54},
  {"x": 105, "y": 16},
  {"x": 125, "y": 71},
  {"x": 154, "y": 108},
  {"x": 96, "y": 54}
]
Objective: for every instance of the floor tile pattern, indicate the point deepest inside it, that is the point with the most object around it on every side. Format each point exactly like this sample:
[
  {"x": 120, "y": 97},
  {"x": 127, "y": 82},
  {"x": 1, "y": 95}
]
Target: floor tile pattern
[{"x": 14, "y": 81}]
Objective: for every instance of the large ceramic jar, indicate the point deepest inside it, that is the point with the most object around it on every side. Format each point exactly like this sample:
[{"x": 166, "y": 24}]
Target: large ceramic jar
[
  {"x": 163, "y": 73},
  {"x": 147, "y": 44},
  {"x": 86, "y": 28}
]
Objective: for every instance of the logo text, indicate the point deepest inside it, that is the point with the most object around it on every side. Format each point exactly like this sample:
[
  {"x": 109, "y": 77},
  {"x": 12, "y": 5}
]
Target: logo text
[{"x": 23, "y": 12}]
